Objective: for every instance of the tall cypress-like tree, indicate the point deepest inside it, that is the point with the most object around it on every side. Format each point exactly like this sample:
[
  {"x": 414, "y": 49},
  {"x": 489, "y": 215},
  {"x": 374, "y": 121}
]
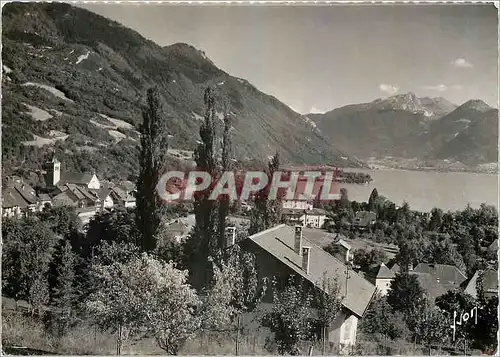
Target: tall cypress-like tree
[
  {"x": 224, "y": 202},
  {"x": 64, "y": 293},
  {"x": 266, "y": 212},
  {"x": 205, "y": 240},
  {"x": 153, "y": 153}
]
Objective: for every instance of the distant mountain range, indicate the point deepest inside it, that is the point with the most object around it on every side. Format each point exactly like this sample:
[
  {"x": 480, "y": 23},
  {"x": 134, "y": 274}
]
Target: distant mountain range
[
  {"x": 407, "y": 127},
  {"x": 75, "y": 81}
]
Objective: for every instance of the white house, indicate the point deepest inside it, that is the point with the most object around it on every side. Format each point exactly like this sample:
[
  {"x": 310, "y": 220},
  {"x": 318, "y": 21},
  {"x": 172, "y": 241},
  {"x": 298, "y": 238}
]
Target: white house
[
  {"x": 314, "y": 218},
  {"x": 296, "y": 204},
  {"x": 384, "y": 278}
]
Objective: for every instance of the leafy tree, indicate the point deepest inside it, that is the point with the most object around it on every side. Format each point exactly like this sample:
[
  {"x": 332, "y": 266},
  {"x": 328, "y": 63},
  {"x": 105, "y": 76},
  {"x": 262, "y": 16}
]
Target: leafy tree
[
  {"x": 167, "y": 246},
  {"x": 28, "y": 246},
  {"x": 145, "y": 297},
  {"x": 372, "y": 199},
  {"x": 290, "y": 318},
  {"x": 442, "y": 251},
  {"x": 328, "y": 304},
  {"x": 117, "y": 226},
  {"x": 63, "y": 295},
  {"x": 365, "y": 259},
  {"x": 224, "y": 202},
  {"x": 62, "y": 220},
  {"x": 204, "y": 241},
  {"x": 381, "y": 319},
  {"x": 153, "y": 154},
  {"x": 436, "y": 220},
  {"x": 430, "y": 325},
  {"x": 459, "y": 302},
  {"x": 405, "y": 293},
  {"x": 235, "y": 290},
  {"x": 411, "y": 248},
  {"x": 486, "y": 330}
]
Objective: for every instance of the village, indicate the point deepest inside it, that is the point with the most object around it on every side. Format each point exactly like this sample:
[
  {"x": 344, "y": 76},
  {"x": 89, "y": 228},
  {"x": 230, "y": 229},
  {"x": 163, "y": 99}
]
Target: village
[{"x": 297, "y": 246}]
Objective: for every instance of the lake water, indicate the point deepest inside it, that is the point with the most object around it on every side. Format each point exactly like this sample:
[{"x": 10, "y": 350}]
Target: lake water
[{"x": 424, "y": 190}]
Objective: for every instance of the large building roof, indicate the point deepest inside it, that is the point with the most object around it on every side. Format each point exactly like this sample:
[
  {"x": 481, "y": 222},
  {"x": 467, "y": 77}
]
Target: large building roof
[
  {"x": 11, "y": 198},
  {"x": 429, "y": 283},
  {"x": 279, "y": 242},
  {"x": 75, "y": 178},
  {"x": 447, "y": 275}
]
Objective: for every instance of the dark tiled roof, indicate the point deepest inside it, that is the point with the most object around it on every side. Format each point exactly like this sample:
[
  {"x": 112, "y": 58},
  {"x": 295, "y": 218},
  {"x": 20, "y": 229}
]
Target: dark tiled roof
[
  {"x": 344, "y": 244},
  {"x": 104, "y": 191},
  {"x": 127, "y": 185},
  {"x": 395, "y": 268},
  {"x": 43, "y": 197},
  {"x": 75, "y": 178},
  {"x": 279, "y": 242},
  {"x": 363, "y": 218},
  {"x": 449, "y": 276},
  {"x": 27, "y": 192},
  {"x": 385, "y": 273},
  {"x": 429, "y": 283},
  {"x": 65, "y": 198},
  {"x": 12, "y": 198}
]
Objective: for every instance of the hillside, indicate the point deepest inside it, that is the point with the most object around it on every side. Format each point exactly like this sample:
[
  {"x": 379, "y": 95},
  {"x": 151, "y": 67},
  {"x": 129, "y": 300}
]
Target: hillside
[
  {"x": 407, "y": 127},
  {"x": 476, "y": 143},
  {"x": 74, "y": 82}
]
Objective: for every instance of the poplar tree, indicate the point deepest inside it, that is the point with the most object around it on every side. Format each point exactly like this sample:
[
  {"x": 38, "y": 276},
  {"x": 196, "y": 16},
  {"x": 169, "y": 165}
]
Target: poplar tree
[
  {"x": 153, "y": 153},
  {"x": 266, "y": 212},
  {"x": 204, "y": 241},
  {"x": 224, "y": 202},
  {"x": 64, "y": 293}
]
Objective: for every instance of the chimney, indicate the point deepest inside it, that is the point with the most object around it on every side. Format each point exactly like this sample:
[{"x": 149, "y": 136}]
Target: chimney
[
  {"x": 230, "y": 236},
  {"x": 305, "y": 259},
  {"x": 298, "y": 239}
]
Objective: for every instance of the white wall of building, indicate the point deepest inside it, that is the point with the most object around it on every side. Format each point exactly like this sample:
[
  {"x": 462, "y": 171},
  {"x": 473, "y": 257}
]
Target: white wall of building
[
  {"x": 343, "y": 329},
  {"x": 94, "y": 183},
  {"x": 314, "y": 220},
  {"x": 108, "y": 202},
  {"x": 383, "y": 285},
  {"x": 130, "y": 204},
  {"x": 291, "y": 204}
]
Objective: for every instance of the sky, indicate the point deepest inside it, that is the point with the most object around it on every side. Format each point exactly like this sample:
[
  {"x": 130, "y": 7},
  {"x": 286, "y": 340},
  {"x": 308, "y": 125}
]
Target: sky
[{"x": 315, "y": 58}]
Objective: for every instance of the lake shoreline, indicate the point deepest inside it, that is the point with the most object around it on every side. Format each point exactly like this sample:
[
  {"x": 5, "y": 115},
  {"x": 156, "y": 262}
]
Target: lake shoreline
[
  {"x": 436, "y": 166},
  {"x": 426, "y": 189}
]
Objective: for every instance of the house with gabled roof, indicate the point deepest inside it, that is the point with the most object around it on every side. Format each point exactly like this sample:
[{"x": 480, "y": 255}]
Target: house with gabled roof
[
  {"x": 283, "y": 251},
  {"x": 54, "y": 176},
  {"x": 438, "y": 279},
  {"x": 364, "y": 219},
  {"x": 493, "y": 247},
  {"x": 13, "y": 203},
  {"x": 490, "y": 283},
  {"x": 19, "y": 198},
  {"x": 123, "y": 196},
  {"x": 384, "y": 278}
]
